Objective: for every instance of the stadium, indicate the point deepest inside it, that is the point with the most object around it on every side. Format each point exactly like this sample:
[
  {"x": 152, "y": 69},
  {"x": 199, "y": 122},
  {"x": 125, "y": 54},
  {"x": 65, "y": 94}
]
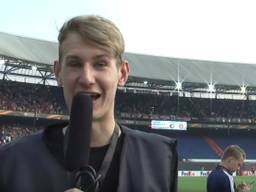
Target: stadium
[{"x": 206, "y": 105}]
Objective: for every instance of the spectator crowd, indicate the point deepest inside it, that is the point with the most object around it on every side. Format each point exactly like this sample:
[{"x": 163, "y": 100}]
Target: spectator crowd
[
  {"x": 10, "y": 132},
  {"x": 26, "y": 97}
]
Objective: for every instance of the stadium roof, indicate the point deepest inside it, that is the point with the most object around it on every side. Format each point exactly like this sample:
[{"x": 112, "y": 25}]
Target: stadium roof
[
  {"x": 157, "y": 69},
  {"x": 28, "y": 49}
]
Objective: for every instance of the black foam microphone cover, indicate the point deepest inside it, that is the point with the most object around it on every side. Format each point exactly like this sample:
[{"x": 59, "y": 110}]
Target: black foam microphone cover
[{"x": 79, "y": 133}]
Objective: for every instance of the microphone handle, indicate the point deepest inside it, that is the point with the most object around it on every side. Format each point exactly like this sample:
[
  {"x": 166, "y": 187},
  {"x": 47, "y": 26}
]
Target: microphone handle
[{"x": 87, "y": 179}]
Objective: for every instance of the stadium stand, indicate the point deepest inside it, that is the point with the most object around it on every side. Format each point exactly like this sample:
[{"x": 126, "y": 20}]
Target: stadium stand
[
  {"x": 26, "y": 97},
  {"x": 12, "y": 132},
  {"x": 38, "y": 99},
  {"x": 29, "y": 97}
]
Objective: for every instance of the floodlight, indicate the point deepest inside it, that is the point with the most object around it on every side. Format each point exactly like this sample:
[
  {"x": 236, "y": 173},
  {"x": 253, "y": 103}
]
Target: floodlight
[
  {"x": 178, "y": 85},
  {"x": 34, "y": 68},
  {"x": 243, "y": 89},
  {"x": 211, "y": 87},
  {"x": 2, "y": 62}
]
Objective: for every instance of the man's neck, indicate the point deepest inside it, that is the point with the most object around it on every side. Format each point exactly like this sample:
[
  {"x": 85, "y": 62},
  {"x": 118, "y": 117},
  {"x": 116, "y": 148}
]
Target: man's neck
[
  {"x": 225, "y": 165},
  {"x": 101, "y": 133}
]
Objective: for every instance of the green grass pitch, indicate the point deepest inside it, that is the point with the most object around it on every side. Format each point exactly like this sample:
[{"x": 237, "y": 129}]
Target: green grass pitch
[{"x": 198, "y": 184}]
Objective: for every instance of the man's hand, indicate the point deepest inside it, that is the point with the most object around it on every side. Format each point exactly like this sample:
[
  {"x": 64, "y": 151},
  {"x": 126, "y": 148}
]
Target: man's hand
[
  {"x": 73, "y": 190},
  {"x": 243, "y": 187}
]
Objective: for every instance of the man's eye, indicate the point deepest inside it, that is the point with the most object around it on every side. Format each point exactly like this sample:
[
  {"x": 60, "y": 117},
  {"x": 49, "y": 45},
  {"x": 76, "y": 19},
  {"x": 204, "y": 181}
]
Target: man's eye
[
  {"x": 101, "y": 64},
  {"x": 73, "y": 64}
]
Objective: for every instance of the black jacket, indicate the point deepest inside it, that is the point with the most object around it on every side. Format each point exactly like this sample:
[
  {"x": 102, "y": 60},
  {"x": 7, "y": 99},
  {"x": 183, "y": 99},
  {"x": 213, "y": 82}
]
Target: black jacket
[{"x": 35, "y": 163}]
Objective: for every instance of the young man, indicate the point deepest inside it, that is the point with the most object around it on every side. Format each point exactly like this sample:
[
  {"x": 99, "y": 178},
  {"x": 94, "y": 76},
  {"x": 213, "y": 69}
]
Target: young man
[
  {"x": 91, "y": 60},
  {"x": 221, "y": 178}
]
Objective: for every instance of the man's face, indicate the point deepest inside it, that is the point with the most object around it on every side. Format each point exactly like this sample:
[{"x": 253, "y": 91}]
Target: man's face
[
  {"x": 87, "y": 68},
  {"x": 236, "y": 164}
]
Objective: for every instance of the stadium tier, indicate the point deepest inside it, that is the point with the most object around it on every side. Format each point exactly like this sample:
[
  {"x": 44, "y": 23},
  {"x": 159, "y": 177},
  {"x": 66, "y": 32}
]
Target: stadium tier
[
  {"x": 207, "y": 145},
  {"x": 193, "y": 143},
  {"x": 27, "y": 97},
  {"x": 213, "y": 106}
]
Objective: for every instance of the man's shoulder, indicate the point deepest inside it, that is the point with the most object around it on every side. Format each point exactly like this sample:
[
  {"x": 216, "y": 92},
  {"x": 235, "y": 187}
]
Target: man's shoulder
[
  {"x": 35, "y": 141},
  {"x": 147, "y": 136},
  {"x": 218, "y": 181},
  {"x": 138, "y": 146},
  {"x": 218, "y": 174},
  {"x": 22, "y": 144}
]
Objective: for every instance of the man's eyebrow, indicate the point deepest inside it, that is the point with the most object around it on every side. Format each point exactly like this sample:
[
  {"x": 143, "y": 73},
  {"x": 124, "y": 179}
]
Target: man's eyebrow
[
  {"x": 72, "y": 57},
  {"x": 101, "y": 56},
  {"x": 94, "y": 58}
]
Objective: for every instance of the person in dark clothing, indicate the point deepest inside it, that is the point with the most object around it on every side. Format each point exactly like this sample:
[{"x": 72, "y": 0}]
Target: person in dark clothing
[
  {"x": 91, "y": 60},
  {"x": 221, "y": 178}
]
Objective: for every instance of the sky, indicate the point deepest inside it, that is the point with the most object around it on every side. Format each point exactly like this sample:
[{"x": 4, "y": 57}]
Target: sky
[{"x": 216, "y": 30}]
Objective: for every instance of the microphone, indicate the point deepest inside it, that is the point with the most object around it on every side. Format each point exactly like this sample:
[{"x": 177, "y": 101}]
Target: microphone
[
  {"x": 78, "y": 144},
  {"x": 79, "y": 133}
]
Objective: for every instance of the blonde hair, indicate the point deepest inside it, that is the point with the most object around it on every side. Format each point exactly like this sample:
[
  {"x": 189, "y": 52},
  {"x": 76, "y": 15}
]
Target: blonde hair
[
  {"x": 233, "y": 151},
  {"x": 97, "y": 31}
]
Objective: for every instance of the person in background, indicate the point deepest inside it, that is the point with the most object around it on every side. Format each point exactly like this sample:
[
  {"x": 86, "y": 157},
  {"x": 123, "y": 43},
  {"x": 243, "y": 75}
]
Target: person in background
[{"x": 221, "y": 178}]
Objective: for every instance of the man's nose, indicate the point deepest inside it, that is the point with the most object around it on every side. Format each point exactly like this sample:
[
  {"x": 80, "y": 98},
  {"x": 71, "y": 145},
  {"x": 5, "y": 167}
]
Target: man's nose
[{"x": 87, "y": 75}]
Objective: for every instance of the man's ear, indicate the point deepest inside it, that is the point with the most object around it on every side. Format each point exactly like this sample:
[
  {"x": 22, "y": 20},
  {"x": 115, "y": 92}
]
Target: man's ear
[
  {"x": 123, "y": 73},
  {"x": 57, "y": 72}
]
